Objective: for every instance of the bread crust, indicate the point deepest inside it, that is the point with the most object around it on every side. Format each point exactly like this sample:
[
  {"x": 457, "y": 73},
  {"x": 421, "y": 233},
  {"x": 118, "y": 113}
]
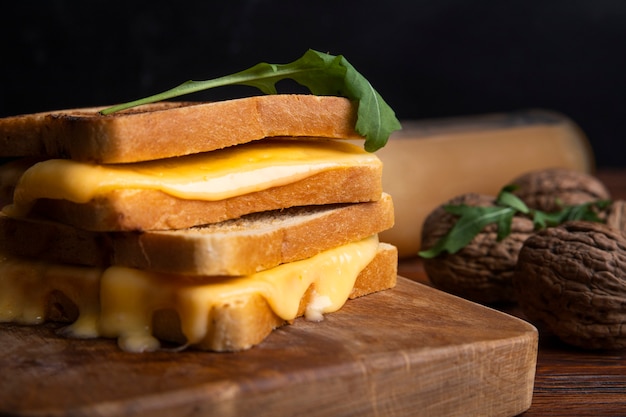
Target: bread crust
[
  {"x": 236, "y": 324},
  {"x": 141, "y": 210},
  {"x": 235, "y": 247},
  {"x": 257, "y": 242},
  {"x": 10, "y": 173},
  {"x": 170, "y": 129},
  {"x": 242, "y": 323}
]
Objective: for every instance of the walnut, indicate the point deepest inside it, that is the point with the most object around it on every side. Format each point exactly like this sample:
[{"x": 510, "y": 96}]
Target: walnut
[
  {"x": 482, "y": 271},
  {"x": 572, "y": 279},
  {"x": 548, "y": 189},
  {"x": 616, "y": 215}
]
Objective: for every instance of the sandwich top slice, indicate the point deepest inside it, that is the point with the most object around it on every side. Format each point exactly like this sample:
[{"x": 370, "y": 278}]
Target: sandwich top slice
[{"x": 149, "y": 132}]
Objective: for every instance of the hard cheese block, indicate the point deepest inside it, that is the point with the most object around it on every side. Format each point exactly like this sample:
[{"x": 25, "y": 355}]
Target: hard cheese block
[
  {"x": 410, "y": 351},
  {"x": 430, "y": 161}
]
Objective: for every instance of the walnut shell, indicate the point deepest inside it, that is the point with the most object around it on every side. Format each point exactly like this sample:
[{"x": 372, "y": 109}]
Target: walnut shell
[
  {"x": 544, "y": 189},
  {"x": 616, "y": 215},
  {"x": 572, "y": 278},
  {"x": 482, "y": 271}
]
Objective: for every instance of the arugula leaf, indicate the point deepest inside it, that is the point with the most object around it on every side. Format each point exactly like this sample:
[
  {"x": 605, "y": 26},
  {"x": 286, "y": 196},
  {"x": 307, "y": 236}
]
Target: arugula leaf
[
  {"x": 504, "y": 224},
  {"x": 473, "y": 219},
  {"x": 587, "y": 211},
  {"x": 507, "y": 198},
  {"x": 321, "y": 73}
]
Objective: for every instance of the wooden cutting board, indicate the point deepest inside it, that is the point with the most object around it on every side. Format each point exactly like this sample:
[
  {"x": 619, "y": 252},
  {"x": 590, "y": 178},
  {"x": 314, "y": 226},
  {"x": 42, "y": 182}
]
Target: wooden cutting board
[{"x": 410, "y": 351}]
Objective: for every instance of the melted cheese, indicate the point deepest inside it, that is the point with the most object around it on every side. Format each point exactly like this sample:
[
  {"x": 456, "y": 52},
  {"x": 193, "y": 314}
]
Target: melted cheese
[
  {"x": 120, "y": 302},
  {"x": 213, "y": 175},
  {"x": 26, "y": 287},
  {"x": 130, "y": 297}
]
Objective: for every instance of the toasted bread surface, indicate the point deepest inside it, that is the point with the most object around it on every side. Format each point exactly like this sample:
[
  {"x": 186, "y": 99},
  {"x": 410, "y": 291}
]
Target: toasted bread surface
[
  {"x": 165, "y": 129},
  {"x": 140, "y": 210},
  {"x": 255, "y": 242},
  {"x": 234, "y": 247},
  {"x": 240, "y": 324}
]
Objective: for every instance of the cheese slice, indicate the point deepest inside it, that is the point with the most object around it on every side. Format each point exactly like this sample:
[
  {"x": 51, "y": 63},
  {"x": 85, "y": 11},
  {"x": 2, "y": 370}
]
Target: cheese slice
[
  {"x": 120, "y": 302},
  {"x": 210, "y": 176},
  {"x": 431, "y": 161}
]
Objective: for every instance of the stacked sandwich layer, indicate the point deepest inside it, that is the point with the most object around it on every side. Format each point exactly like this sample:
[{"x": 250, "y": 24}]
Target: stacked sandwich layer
[{"x": 200, "y": 224}]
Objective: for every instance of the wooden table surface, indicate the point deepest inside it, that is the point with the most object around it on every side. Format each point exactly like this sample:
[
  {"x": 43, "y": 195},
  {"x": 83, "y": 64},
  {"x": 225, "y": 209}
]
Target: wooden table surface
[{"x": 569, "y": 381}]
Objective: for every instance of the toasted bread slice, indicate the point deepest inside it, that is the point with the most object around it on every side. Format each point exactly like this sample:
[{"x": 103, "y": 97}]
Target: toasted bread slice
[
  {"x": 210, "y": 187},
  {"x": 164, "y": 130},
  {"x": 73, "y": 295},
  {"x": 142, "y": 210},
  {"x": 10, "y": 173},
  {"x": 226, "y": 335},
  {"x": 234, "y": 247}
]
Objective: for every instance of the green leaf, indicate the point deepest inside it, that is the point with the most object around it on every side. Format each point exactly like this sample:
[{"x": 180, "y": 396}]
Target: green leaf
[
  {"x": 507, "y": 198},
  {"x": 472, "y": 220},
  {"x": 586, "y": 212},
  {"x": 541, "y": 220},
  {"x": 321, "y": 73},
  {"x": 504, "y": 224}
]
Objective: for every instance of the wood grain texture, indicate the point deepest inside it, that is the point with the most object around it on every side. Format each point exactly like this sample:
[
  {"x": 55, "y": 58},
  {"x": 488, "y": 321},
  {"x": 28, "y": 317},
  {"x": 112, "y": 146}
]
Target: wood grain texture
[
  {"x": 569, "y": 381},
  {"x": 409, "y": 351}
]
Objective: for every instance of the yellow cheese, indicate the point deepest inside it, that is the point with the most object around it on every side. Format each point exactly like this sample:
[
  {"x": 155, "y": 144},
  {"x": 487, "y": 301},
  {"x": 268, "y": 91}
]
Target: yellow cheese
[
  {"x": 431, "y": 161},
  {"x": 128, "y": 298},
  {"x": 26, "y": 286},
  {"x": 213, "y": 175}
]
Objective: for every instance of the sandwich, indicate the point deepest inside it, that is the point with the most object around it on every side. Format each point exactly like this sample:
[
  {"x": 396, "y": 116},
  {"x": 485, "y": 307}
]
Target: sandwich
[{"x": 191, "y": 224}]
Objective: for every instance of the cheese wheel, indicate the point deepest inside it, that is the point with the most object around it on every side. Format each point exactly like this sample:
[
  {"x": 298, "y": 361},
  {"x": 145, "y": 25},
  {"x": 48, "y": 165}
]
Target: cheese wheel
[{"x": 430, "y": 161}]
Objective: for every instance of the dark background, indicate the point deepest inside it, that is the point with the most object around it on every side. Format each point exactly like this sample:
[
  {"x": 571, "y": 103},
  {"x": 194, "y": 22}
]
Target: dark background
[{"x": 427, "y": 58}]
